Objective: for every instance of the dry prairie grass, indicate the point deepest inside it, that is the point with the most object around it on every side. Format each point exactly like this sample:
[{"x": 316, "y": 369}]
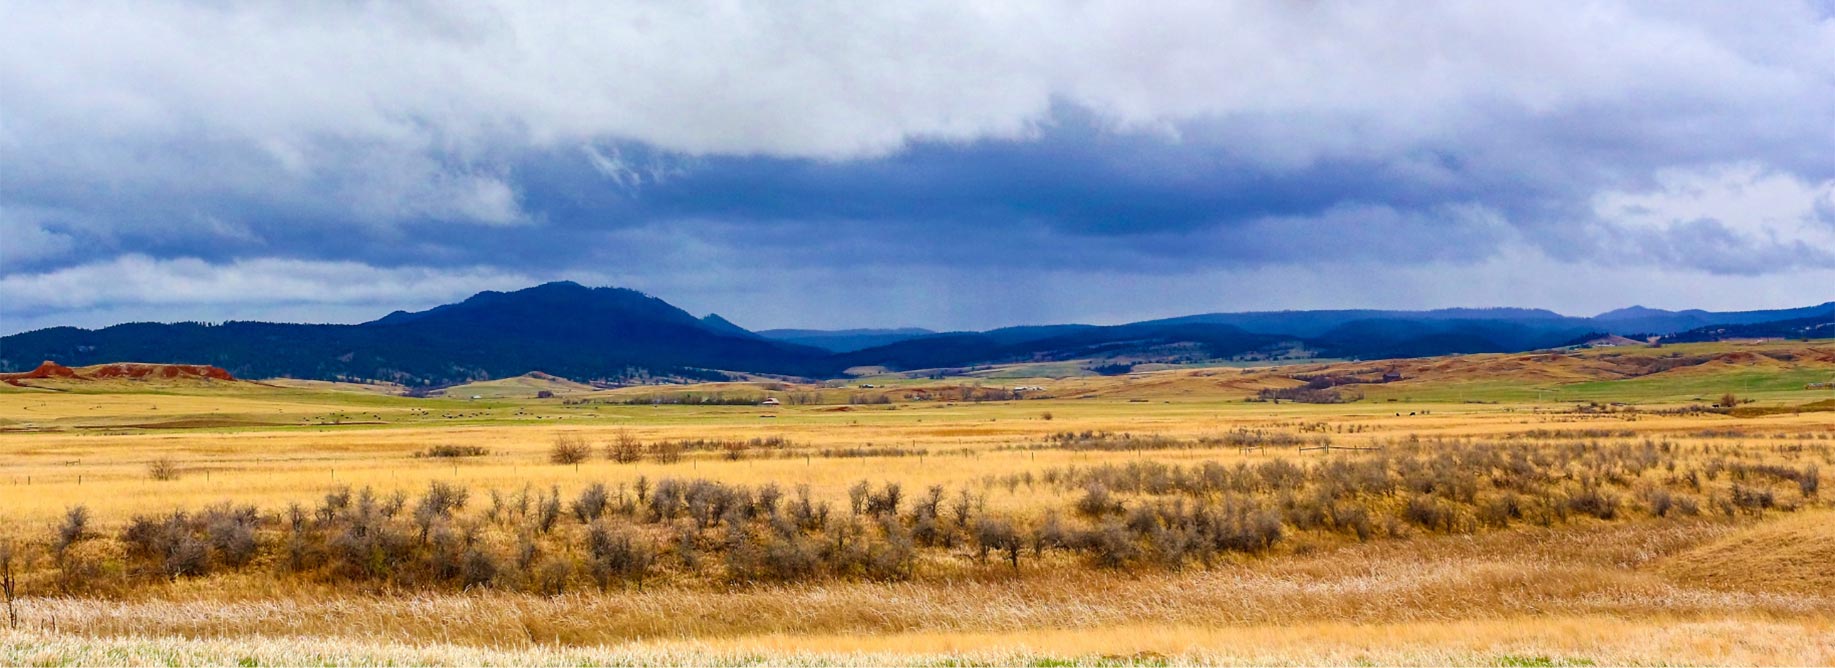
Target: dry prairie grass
[
  {"x": 1711, "y": 589},
  {"x": 41, "y": 474},
  {"x": 1793, "y": 555},
  {"x": 1140, "y": 514},
  {"x": 1541, "y": 641},
  {"x": 1597, "y": 571}
]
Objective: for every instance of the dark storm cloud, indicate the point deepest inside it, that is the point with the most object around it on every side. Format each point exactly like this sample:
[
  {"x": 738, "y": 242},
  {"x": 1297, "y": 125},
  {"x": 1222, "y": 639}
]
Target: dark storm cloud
[{"x": 775, "y": 161}]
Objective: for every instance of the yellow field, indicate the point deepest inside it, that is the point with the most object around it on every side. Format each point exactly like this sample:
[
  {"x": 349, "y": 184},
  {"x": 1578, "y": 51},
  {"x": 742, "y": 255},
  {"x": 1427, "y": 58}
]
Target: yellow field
[
  {"x": 1745, "y": 587},
  {"x": 46, "y": 473}
]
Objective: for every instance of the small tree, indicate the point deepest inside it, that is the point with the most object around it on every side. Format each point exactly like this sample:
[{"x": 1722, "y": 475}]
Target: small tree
[
  {"x": 666, "y": 451},
  {"x": 1728, "y": 400},
  {"x": 624, "y": 448},
  {"x": 162, "y": 469},
  {"x": 857, "y": 497},
  {"x": 9, "y": 583},
  {"x": 569, "y": 449}
]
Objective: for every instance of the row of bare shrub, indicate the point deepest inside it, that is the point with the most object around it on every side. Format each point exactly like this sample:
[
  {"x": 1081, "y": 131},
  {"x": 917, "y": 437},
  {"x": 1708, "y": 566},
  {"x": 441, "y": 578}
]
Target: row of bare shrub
[
  {"x": 1452, "y": 486},
  {"x": 1127, "y": 442},
  {"x": 625, "y": 448},
  {"x": 626, "y": 535},
  {"x": 1137, "y": 514}
]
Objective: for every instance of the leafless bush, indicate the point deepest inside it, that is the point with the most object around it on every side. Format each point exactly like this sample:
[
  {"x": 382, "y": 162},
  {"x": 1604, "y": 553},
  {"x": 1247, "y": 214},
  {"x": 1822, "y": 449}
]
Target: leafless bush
[
  {"x": 926, "y": 529},
  {"x": 1354, "y": 519},
  {"x": 74, "y": 529},
  {"x": 477, "y": 567},
  {"x": 1110, "y": 546},
  {"x": 788, "y": 559},
  {"x": 9, "y": 581},
  {"x": 666, "y": 452},
  {"x": 1501, "y": 510},
  {"x": 1592, "y": 500},
  {"x": 1096, "y": 501},
  {"x": 1752, "y": 499},
  {"x": 449, "y": 451},
  {"x": 1113, "y": 442},
  {"x": 438, "y": 504},
  {"x": 857, "y": 497},
  {"x": 1661, "y": 502},
  {"x": 162, "y": 469},
  {"x": 552, "y": 575},
  {"x": 1808, "y": 479},
  {"x": 592, "y": 503},
  {"x": 992, "y": 535},
  {"x": 858, "y": 452},
  {"x": 167, "y": 544},
  {"x": 229, "y": 532},
  {"x": 734, "y": 450},
  {"x": 1431, "y": 513},
  {"x": 548, "y": 510},
  {"x": 963, "y": 507},
  {"x": 624, "y": 448},
  {"x": 186, "y": 545},
  {"x": 895, "y": 558},
  {"x": 367, "y": 546},
  {"x": 569, "y": 449},
  {"x": 1050, "y": 534},
  {"x": 885, "y": 501}
]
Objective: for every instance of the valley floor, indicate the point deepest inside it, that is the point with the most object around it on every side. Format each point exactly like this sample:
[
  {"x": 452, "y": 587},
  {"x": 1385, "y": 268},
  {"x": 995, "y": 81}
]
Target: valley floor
[{"x": 1414, "y": 532}]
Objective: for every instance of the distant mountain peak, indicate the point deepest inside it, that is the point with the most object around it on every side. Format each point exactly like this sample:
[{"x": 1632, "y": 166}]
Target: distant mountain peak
[
  {"x": 1635, "y": 311},
  {"x": 720, "y": 325},
  {"x": 548, "y": 290},
  {"x": 395, "y": 317}
]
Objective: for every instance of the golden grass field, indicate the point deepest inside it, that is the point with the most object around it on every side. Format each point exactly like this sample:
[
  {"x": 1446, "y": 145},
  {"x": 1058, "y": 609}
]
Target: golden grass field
[{"x": 1748, "y": 585}]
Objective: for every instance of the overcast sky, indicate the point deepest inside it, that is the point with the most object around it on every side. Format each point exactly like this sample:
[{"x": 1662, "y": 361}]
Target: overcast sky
[{"x": 932, "y": 164}]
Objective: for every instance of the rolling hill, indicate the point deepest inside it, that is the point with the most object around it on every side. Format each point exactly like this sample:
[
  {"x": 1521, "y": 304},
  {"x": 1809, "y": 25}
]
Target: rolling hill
[
  {"x": 560, "y": 328},
  {"x": 616, "y": 335},
  {"x": 1820, "y": 326},
  {"x": 1640, "y": 320}
]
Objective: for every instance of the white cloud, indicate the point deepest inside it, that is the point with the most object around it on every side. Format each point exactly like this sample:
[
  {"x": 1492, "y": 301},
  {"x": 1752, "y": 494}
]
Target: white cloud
[
  {"x": 91, "y": 294},
  {"x": 1736, "y": 217},
  {"x": 24, "y": 239},
  {"x": 297, "y": 89}
]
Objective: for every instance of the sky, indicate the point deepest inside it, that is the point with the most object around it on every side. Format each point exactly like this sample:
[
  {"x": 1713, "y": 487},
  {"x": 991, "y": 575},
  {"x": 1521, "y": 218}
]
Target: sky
[{"x": 947, "y": 165}]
